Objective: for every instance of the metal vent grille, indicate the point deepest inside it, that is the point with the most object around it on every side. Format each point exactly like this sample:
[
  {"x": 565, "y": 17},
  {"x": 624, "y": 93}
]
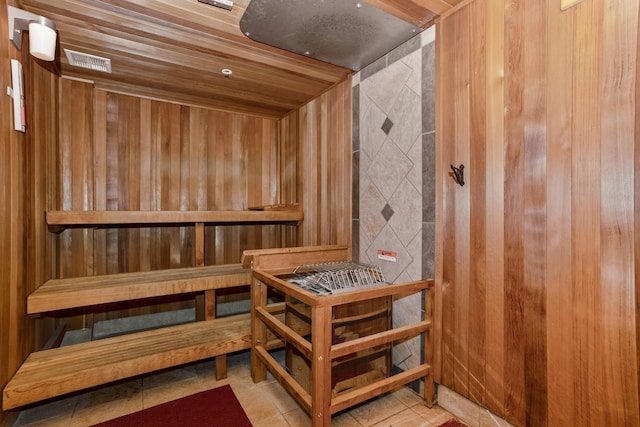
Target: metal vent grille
[{"x": 91, "y": 62}]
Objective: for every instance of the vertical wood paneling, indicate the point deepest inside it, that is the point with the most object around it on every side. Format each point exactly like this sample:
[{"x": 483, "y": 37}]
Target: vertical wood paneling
[
  {"x": 560, "y": 307},
  {"x": 637, "y": 205},
  {"x": 324, "y": 166},
  {"x": 44, "y": 140},
  {"x": 75, "y": 247},
  {"x": 555, "y": 194},
  {"x": 478, "y": 196},
  {"x": 586, "y": 193},
  {"x": 495, "y": 205},
  {"x": 99, "y": 109},
  {"x": 288, "y": 148},
  {"x": 460, "y": 195},
  {"x": 6, "y": 110},
  {"x": 445, "y": 332},
  {"x": 535, "y": 210},
  {"x": 134, "y": 153},
  {"x": 618, "y": 82},
  {"x": 514, "y": 212},
  {"x": 25, "y": 247}
]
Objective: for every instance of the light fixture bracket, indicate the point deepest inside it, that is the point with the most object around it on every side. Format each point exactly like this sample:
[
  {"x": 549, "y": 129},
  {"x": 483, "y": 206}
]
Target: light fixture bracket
[
  {"x": 19, "y": 21},
  {"x": 225, "y": 4}
]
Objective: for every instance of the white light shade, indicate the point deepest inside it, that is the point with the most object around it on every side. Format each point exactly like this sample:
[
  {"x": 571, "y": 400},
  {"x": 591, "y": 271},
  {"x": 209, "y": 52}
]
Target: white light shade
[{"x": 42, "y": 41}]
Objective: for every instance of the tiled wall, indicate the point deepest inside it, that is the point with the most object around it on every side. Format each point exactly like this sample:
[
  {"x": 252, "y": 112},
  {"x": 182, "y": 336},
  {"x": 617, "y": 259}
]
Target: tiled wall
[{"x": 393, "y": 173}]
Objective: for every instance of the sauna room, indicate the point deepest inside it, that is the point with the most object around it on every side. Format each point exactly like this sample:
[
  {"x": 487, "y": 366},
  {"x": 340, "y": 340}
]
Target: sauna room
[{"x": 313, "y": 213}]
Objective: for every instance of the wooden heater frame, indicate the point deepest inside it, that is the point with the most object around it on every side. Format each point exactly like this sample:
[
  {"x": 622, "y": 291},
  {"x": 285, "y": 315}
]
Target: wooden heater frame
[{"x": 267, "y": 323}]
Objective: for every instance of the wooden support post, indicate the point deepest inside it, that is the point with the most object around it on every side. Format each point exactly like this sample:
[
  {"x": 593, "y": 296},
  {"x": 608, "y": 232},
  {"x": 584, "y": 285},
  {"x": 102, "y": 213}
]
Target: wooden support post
[
  {"x": 206, "y": 303},
  {"x": 201, "y": 302},
  {"x": 321, "y": 331},
  {"x": 199, "y": 231},
  {"x": 428, "y": 348},
  {"x": 258, "y": 329}
]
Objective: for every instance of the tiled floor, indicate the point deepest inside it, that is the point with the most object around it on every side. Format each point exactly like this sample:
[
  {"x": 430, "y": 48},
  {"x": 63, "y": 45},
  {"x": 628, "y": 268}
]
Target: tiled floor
[{"x": 267, "y": 404}]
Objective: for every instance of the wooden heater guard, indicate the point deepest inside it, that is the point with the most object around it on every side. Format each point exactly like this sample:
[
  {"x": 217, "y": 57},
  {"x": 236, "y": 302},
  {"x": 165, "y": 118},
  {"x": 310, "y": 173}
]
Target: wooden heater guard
[{"x": 265, "y": 324}]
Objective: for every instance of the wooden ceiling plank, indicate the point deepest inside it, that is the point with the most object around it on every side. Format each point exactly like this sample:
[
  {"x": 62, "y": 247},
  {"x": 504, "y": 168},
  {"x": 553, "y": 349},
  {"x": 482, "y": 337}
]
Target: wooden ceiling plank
[
  {"x": 174, "y": 50},
  {"x": 407, "y": 10}
]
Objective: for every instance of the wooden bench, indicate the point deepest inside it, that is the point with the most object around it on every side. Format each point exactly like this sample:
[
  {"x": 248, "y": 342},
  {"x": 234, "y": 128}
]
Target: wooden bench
[
  {"x": 58, "y": 371},
  {"x": 50, "y": 373},
  {"x": 60, "y": 294}
]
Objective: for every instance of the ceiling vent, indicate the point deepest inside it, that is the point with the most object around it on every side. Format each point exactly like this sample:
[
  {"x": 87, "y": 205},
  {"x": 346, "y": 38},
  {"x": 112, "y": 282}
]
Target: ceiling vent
[{"x": 91, "y": 62}]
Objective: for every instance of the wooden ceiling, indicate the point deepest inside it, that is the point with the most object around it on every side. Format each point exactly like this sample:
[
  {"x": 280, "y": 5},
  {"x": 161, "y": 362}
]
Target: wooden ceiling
[{"x": 175, "y": 50}]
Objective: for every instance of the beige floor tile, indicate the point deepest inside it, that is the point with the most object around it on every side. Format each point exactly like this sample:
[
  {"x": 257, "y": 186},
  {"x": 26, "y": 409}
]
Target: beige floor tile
[
  {"x": 56, "y": 413},
  {"x": 257, "y": 404},
  {"x": 266, "y": 403},
  {"x": 487, "y": 419},
  {"x": 377, "y": 410},
  {"x": 465, "y": 410},
  {"x": 297, "y": 418},
  {"x": 176, "y": 390},
  {"x": 406, "y": 418},
  {"x": 52, "y": 422},
  {"x": 107, "y": 403},
  {"x": 281, "y": 398},
  {"x": 435, "y": 415},
  {"x": 408, "y": 397},
  {"x": 274, "y": 421},
  {"x": 344, "y": 420}
]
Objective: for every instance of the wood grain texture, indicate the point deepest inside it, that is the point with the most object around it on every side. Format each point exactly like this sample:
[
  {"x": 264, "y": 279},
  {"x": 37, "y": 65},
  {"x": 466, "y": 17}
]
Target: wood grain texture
[
  {"x": 495, "y": 205},
  {"x": 174, "y": 50},
  {"x": 618, "y": 55},
  {"x": 173, "y": 164},
  {"x": 558, "y": 196},
  {"x": 324, "y": 167},
  {"x": 418, "y": 12},
  {"x": 60, "y": 294},
  {"x": 561, "y": 392},
  {"x": 154, "y": 156},
  {"x": 71, "y": 368},
  {"x": 24, "y": 243},
  {"x": 535, "y": 211},
  {"x": 477, "y": 257}
]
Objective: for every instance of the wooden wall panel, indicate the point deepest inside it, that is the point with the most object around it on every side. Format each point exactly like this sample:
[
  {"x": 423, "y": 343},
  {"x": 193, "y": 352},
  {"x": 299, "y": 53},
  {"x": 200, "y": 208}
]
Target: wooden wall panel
[
  {"x": 324, "y": 166},
  {"x": 120, "y": 152},
  {"x": 25, "y": 246},
  {"x": 13, "y": 345},
  {"x": 494, "y": 284},
  {"x": 541, "y": 256},
  {"x": 478, "y": 197}
]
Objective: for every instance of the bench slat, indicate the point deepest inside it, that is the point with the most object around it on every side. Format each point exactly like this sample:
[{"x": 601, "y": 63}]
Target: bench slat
[
  {"x": 58, "y": 371},
  {"x": 60, "y": 294},
  {"x": 63, "y": 219}
]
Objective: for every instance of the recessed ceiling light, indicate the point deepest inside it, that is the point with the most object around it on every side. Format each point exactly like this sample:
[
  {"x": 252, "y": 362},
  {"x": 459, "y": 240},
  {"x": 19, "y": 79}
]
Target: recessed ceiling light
[{"x": 226, "y": 72}]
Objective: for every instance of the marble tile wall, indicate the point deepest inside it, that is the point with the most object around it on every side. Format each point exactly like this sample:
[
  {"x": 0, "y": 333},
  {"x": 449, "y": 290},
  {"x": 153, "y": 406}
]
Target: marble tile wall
[{"x": 393, "y": 173}]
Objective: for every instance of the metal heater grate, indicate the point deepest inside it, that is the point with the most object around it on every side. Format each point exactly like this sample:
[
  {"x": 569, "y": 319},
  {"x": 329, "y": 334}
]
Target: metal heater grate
[{"x": 335, "y": 277}]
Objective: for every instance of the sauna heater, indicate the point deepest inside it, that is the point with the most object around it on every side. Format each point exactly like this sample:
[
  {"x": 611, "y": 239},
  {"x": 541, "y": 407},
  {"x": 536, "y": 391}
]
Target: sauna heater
[{"x": 322, "y": 325}]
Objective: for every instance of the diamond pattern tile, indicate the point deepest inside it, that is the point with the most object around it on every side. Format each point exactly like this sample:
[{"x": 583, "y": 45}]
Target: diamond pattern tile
[
  {"x": 387, "y": 212},
  {"x": 386, "y": 126}
]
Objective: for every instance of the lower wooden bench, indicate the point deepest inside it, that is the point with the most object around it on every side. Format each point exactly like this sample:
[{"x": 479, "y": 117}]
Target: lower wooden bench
[{"x": 50, "y": 373}]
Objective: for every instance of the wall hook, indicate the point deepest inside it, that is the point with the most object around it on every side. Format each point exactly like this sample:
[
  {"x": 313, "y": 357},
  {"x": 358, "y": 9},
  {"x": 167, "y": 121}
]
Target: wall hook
[{"x": 458, "y": 174}]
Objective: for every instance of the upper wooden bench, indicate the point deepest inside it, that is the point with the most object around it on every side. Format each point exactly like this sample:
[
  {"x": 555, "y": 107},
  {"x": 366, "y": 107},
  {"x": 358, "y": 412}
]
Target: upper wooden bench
[{"x": 273, "y": 214}]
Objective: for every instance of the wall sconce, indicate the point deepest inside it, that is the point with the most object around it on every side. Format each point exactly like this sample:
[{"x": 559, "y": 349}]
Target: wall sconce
[{"x": 42, "y": 33}]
